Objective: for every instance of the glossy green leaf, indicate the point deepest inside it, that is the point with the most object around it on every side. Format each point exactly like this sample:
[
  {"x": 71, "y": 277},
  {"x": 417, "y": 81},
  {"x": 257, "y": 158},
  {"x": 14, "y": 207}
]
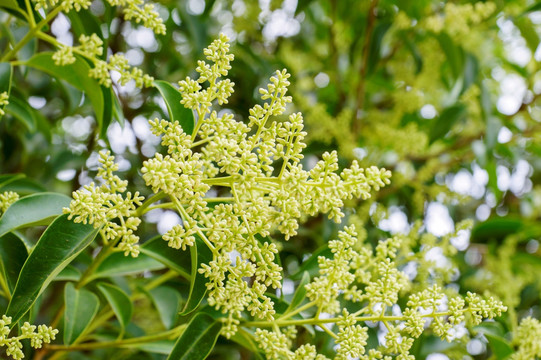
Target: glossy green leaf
[
  {"x": 77, "y": 75},
  {"x": 300, "y": 293},
  {"x": 69, "y": 273},
  {"x": 200, "y": 254},
  {"x": 23, "y": 112},
  {"x": 81, "y": 307},
  {"x": 163, "y": 347},
  {"x": 117, "y": 264},
  {"x": 198, "y": 339},
  {"x": 120, "y": 303},
  {"x": 175, "y": 259},
  {"x": 37, "y": 209},
  {"x": 177, "y": 111},
  {"x": 58, "y": 246},
  {"x": 20, "y": 184},
  {"x": 246, "y": 340},
  {"x": 167, "y": 301},
  {"x": 13, "y": 254},
  {"x": 6, "y": 70},
  {"x": 446, "y": 120}
]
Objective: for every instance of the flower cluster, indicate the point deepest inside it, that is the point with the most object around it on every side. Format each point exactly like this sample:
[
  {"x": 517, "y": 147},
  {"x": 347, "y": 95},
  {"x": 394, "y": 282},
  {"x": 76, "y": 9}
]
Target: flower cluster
[
  {"x": 3, "y": 102},
  {"x": 136, "y": 10},
  {"x": 44, "y": 334},
  {"x": 239, "y": 161},
  {"x": 92, "y": 47},
  {"x": 376, "y": 282},
  {"x": 6, "y": 199},
  {"x": 528, "y": 340},
  {"x": 105, "y": 207}
]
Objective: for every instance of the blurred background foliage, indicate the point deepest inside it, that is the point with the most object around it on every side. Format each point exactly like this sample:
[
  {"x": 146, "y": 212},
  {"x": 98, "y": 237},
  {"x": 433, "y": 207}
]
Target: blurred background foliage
[{"x": 444, "y": 93}]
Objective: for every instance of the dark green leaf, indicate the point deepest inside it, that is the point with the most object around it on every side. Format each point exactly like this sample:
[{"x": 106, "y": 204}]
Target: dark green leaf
[
  {"x": 69, "y": 273},
  {"x": 13, "y": 254},
  {"x": 19, "y": 184},
  {"x": 58, "y": 246},
  {"x": 300, "y": 293},
  {"x": 311, "y": 264},
  {"x": 120, "y": 303},
  {"x": 245, "y": 339},
  {"x": 77, "y": 75},
  {"x": 117, "y": 264},
  {"x": 6, "y": 70},
  {"x": 81, "y": 307},
  {"x": 498, "y": 344},
  {"x": 23, "y": 112},
  {"x": 167, "y": 301},
  {"x": 175, "y": 259},
  {"x": 200, "y": 254},
  {"x": 453, "y": 53},
  {"x": 198, "y": 339},
  {"x": 163, "y": 347},
  {"x": 445, "y": 122},
  {"x": 177, "y": 111},
  {"x": 37, "y": 209}
]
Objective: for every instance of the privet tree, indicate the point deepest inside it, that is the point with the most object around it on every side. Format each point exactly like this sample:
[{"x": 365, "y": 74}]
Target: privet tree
[{"x": 282, "y": 248}]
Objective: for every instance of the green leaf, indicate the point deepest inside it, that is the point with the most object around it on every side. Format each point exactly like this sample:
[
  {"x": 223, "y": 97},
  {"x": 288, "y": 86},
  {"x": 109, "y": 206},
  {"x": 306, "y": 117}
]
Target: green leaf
[
  {"x": 200, "y": 254},
  {"x": 498, "y": 344},
  {"x": 120, "y": 303},
  {"x": 6, "y": 72},
  {"x": 117, "y": 264},
  {"x": 20, "y": 184},
  {"x": 198, "y": 339},
  {"x": 13, "y": 254},
  {"x": 167, "y": 301},
  {"x": 246, "y": 340},
  {"x": 528, "y": 32},
  {"x": 81, "y": 307},
  {"x": 9, "y": 4},
  {"x": 453, "y": 53},
  {"x": 37, "y": 209},
  {"x": 163, "y": 347},
  {"x": 300, "y": 293},
  {"x": 69, "y": 273},
  {"x": 23, "y": 112},
  {"x": 77, "y": 75},
  {"x": 177, "y": 111},
  {"x": 58, "y": 246},
  {"x": 446, "y": 121},
  {"x": 311, "y": 264},
  {"x": 174, "y": 259}
]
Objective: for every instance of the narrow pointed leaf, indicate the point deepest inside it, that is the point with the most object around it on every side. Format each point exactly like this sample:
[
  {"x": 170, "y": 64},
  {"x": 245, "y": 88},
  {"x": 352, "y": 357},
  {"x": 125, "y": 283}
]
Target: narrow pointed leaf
[
  {"x": 300, "y": 293},
  {"x": 120, "y": 303},
  {"x": 117, "y": 264},
  {"x": 198, "y": 339},
  {"x": 58, "y": 246},
  {"x": 175, "y": 259},
  {"x": 81, "y": 307},
  {"x": 13, "y": 254},
  {"x": 6, "y": 70},
  {"x": 77, "y": 75},
  {"x": 200, "y": 255},
  {"x": 177, "y": 111},
  {"x": 37, "y": 209},
  {"x": 167, "y": 301}
]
